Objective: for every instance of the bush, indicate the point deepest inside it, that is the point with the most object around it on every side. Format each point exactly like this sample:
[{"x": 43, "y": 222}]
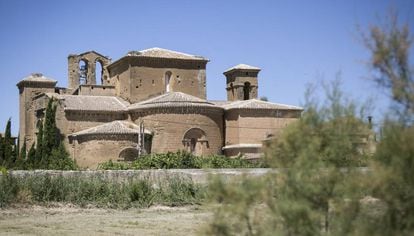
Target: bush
[{"x": 181, "y": 160}]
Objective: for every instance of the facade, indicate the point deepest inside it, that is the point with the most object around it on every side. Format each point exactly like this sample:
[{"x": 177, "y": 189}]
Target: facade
[{"x": 150, "y": 101}]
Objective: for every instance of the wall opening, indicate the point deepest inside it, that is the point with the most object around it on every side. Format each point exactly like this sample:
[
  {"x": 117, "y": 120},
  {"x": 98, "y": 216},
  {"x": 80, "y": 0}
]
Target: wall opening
[
  {"x": 167, "y": 81},
  {"x": 195, "y": 141},
  {"x": 99, "y": 72},
  {"x": 246, "y": 91},
  {"x": 83, "y": 71},
  {"x": 128, "y": 154}
]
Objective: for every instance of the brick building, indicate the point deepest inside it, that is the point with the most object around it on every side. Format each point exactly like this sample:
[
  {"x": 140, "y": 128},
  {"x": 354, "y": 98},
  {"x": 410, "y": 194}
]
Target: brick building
[{"x": 151, "y": 101}]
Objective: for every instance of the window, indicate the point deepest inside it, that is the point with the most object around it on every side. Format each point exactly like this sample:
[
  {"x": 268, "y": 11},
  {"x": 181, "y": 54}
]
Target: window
[
  {"x": 246, "y": 91},
  {"x": 167, "y": 81}
]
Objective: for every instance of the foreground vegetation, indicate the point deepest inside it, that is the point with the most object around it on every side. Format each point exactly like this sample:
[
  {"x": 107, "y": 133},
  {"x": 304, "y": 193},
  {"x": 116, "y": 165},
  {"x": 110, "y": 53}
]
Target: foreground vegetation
[
  {"x": 321, "y": 190},
  {"x": 98, "y": 192},
  {"x": 182, "y": 160}
]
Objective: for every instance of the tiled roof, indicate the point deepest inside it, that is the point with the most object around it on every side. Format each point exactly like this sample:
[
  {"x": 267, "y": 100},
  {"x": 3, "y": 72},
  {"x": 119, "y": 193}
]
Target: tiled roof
[
  {"x": 114, "y": 127},
  {"x": 37, "y": 77},
  {"x": 258, "y": 105},
  {"x": 242, "y": 67},
  {"x": 91, "y": 103},
  {"x": 165, "y": 53},
  {"x": 172, "y": 99}
]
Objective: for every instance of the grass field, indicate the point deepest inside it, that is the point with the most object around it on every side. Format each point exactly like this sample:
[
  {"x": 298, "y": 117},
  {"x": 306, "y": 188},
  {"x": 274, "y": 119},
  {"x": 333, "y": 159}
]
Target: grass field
[{"x": 72, "y": 220}]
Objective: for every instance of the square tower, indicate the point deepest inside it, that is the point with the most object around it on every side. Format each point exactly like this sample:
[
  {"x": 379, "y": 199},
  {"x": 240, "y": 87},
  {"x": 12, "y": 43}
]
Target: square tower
[{"x": 241, "y": 82}]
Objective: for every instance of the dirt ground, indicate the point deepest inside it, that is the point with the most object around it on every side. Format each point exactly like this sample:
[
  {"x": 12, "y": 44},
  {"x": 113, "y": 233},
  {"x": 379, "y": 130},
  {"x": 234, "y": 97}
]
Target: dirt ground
[{"x": 71, "y": 220}]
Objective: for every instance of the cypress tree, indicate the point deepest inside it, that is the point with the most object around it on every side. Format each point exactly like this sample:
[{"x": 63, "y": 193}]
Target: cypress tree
[
  {"x": 1, "y": 149},
  {"x": 21, "y": 159},
  {"x": 49, "y": 133},
  {"x": 31, "y": 158},
  {"x": 8, "y": 145},
  {"x": 39, "y": 148}
]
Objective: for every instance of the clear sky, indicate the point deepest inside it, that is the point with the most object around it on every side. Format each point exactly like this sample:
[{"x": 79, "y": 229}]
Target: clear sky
[{"x": 294, "y": 42}]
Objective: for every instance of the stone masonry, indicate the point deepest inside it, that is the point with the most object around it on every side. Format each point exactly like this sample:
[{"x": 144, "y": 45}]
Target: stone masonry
[{"x": 151, "y": 101}]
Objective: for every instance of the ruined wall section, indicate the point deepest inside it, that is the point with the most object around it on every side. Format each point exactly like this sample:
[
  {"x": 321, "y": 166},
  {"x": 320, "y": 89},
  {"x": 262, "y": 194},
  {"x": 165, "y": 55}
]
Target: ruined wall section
[{"x": 90, "y": 59}]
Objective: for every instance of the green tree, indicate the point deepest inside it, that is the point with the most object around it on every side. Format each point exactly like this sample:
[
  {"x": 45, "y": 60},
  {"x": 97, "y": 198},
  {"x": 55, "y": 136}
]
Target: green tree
[
  {"x": 392, "y": 180},
  {"x": 21, "y": 160},
  {"x": 39, "y": 148},
  {"x": 311, "y": 155},
  {"x": 8, "y": 158},
  {"x": 1, "y": 149},
  {"x": 389, "y": 46},
  {"x": 31, "y": 158},
  {"x": 51, "y": 139}
]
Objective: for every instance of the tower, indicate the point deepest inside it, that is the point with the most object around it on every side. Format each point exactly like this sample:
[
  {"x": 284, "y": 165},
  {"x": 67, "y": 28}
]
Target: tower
[
  {"x": 241, "y": 82},
  {"x": 29, "y": 88}
]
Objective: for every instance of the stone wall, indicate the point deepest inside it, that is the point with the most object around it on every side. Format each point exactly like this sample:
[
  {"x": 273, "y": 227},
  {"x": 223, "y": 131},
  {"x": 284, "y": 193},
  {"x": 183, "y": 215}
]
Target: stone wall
[
  {"x": 90, "y": 153},
  {"x": 137, "y": 79},
  {"x": 169, "y": 129},
  {"x": 251, "y": 126}
]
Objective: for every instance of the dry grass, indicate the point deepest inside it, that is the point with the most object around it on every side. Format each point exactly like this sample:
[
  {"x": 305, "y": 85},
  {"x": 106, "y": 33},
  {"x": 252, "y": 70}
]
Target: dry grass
[{"x": 72, "y": 220}]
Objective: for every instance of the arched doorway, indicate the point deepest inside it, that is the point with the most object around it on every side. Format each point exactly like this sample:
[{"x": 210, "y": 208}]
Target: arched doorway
[{"x": 195, "y": 141}]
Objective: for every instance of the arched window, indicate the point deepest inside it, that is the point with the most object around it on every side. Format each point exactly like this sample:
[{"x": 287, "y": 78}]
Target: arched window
[
  {"x": 195, "y": 141},
  {"x": 99, "y": 72},
  {"x": 83, "y": 71},
  {"x": 167, "y": 81},
  {"x": 246, "y": 91}
]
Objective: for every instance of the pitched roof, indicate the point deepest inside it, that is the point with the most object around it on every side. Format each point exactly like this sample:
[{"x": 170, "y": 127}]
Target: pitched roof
[
  {"x": 91, "y": 103},
  {"x": 114, "y": 127},
  {"x": 37, "y": 78},
  {"x": 172, "y": 99},
  {"x": 256, "y": 104},
  {"x": 242, "y": 67},
  {"x": 165, "y": 53}
]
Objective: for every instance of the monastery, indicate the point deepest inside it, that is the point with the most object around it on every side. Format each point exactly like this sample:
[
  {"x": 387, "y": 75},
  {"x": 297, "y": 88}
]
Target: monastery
[{"x": 150, "y": 101}]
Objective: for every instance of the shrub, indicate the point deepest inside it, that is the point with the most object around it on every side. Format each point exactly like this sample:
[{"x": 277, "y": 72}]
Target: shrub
[{"x": 181, "y": 160}]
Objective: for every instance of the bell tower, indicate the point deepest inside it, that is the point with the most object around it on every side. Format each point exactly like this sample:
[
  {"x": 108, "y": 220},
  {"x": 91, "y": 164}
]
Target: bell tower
[{"x": 241, "y": 82}]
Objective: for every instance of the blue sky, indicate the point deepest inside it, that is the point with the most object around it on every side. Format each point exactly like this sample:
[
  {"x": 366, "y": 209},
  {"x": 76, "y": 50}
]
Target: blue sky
[{"x": 294, "y": 42}]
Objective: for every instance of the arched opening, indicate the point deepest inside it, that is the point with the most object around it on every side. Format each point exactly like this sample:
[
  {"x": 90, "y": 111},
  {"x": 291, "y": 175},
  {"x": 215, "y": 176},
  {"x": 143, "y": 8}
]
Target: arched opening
[
  {"x": 83, "y": 71},
  {"x": 246, "y": 91},
  {"x": 99, "y": 72},
  {"x": 128, "y": 154},
  {"x": 167, "y": 81},
  {"x": 195, "y": 141}
]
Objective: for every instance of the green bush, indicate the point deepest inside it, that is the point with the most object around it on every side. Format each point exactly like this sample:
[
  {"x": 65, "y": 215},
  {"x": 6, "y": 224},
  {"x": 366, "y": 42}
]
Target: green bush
[{"x": 181, "y": 160}]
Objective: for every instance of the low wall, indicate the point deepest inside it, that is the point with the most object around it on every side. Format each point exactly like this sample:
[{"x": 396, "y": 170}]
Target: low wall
[{"x": 200, "y": 176}]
